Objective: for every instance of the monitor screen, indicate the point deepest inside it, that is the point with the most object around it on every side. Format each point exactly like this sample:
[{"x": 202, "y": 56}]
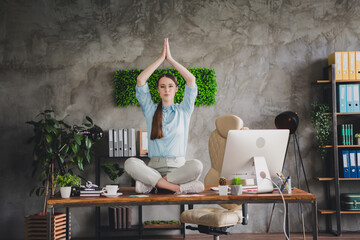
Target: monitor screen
[{"x": 243, "y": 145}]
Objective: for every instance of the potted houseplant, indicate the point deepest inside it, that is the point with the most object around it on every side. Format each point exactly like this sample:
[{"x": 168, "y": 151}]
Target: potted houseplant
[
  {"x": 357, "y": 136},
  {"x": 66, "y": 182},
  {"x": 236, "y": 186},
  {"x": 113, "y": 171},
  {"x": 60, "y": 147},
  {"x": 223, "y": 187}
]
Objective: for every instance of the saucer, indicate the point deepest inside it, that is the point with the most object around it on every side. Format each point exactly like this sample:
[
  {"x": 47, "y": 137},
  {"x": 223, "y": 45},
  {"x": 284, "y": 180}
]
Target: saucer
[{"x": 112, "y": 195}]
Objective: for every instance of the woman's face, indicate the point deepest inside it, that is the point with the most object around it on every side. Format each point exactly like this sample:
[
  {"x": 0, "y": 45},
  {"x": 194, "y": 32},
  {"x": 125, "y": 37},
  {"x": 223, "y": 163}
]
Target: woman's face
[{"x": 167, "y": 89}]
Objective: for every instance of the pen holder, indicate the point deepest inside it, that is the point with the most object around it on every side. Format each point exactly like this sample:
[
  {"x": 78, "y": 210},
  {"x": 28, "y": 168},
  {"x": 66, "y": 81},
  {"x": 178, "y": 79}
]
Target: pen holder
[{"x": 287, "y": 188}]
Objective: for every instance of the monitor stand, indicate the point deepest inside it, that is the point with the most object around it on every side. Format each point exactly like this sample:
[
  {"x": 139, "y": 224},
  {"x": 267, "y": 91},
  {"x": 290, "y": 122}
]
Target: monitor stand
[{"x": 262, "y": 174}]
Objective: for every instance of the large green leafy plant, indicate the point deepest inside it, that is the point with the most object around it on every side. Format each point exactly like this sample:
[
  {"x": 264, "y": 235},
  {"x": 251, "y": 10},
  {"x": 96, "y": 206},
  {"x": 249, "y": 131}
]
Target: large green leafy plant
[
  {"x": 322, "y": 122},
  {"x": 125, "y": 83},
  {"x": 59, "y": 148}
]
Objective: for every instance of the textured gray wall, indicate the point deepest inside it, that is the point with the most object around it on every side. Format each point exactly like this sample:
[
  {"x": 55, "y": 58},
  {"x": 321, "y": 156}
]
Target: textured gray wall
[{"x": 61, "y": 55}]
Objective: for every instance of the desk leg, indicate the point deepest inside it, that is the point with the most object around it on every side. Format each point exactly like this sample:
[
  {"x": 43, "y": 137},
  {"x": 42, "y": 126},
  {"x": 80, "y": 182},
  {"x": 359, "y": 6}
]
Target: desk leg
[
  {"x": 97, "y": 223},
  {"x": 67, "y": 223},
  {"x": 315, "y": 233},
  {"x": 287, "y": 222},
  {"x": 182, "y": 209}
]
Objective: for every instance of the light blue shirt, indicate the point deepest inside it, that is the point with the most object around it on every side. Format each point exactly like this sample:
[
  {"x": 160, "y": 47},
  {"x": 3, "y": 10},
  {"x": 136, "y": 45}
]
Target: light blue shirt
[{"x": 175, "y": 122}]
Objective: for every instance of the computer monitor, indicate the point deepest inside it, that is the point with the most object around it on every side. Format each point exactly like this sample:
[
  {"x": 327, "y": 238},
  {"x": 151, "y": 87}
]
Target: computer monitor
[{"x": 243, "y": 145}]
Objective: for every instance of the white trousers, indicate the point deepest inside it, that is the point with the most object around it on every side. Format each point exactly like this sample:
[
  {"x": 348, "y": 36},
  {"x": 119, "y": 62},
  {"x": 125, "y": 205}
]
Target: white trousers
[{"x": 177, "y": 170}]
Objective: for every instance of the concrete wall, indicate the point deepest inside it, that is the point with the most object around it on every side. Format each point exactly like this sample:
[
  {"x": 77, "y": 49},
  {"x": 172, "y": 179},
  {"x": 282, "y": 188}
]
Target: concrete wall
[{"x": 61, "y": 55}]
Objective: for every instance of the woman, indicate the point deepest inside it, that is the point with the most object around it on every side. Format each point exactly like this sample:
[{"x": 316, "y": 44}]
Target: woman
[{"x": 168, "y": 125}]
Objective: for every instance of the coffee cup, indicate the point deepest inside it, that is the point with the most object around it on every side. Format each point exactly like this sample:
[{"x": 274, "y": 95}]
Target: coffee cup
[{"x": 111, "y": 189}]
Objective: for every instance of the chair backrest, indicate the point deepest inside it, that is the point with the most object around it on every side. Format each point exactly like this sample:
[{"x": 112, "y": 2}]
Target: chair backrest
[{"x": 217, "y": 142}]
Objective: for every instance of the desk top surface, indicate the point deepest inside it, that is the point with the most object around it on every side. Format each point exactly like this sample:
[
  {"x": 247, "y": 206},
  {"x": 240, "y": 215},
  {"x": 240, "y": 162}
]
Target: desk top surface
[{"x": 206, "y": 197}]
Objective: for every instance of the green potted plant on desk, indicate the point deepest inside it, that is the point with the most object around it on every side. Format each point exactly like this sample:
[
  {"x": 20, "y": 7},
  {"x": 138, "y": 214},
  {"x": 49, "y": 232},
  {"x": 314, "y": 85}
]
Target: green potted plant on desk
[
  {"x": 66, "y": 183},
  {"x": 113, "y": 171},
  {"x": 236, "y": 186}
]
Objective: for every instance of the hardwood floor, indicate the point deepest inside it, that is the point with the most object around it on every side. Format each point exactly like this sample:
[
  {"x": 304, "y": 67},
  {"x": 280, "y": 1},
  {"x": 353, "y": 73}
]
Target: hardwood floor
[{"x": 251, "y": 236}]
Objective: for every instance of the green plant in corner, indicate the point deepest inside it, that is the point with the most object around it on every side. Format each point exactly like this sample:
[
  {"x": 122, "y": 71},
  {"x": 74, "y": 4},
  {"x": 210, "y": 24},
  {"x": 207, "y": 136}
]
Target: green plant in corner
[
  {"x": 113, "y": 171},
  {"x": 322, "y": 122},
  {"x": 59, "y": 148}
]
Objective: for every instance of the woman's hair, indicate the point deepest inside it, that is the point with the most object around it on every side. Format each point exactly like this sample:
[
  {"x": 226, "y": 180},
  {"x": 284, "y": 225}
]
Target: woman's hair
[{"x": 156, "y": 127}]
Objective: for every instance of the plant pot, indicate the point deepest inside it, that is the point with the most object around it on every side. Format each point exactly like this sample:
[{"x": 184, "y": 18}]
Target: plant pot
[
  {"x": 358, "y": 141},
  {"x": 65, "y": 192},
  {"x": 223, "y": 190},
  {"x": 236, "y": 189}
]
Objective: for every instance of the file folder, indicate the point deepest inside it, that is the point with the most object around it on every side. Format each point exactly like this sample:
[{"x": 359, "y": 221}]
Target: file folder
[
  {"x": 120, "y": 143},
  {"x": 142, "y": 143},
  {"x": 356, "y": 97},
  {"x": 352, "y": 155},
  {"x": 358, "y": 163},
  {"x": 343, "y": 134},
  {"x": 357, "y": 65},
  {"x": 116, "y": 143},
  {"x": 335, "y": 58},
  {"x": 345, "y": 160},
  {"x": 126, "y": 144},
  {"x": 349, "y": 98},
  {"x": 111, "y": 143},
  {"x": 352, "y": 75},
  {"x": 132, "y": 142},
  {"x": 342, "y": 98},
  {"x": 345, "y": 65}
]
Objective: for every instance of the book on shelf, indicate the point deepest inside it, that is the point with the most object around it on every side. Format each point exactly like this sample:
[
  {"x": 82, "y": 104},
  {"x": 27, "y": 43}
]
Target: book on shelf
[{"x": 113, "y": 218}]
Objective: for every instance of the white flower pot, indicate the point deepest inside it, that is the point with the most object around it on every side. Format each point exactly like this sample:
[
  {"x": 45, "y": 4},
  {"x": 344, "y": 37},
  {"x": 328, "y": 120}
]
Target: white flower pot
[
  {"x": 223, "y": 190},
  {"x": 358, "y": 141},
  {"x": 65, "y": 192},
  {"x": 236, "y": 189}
]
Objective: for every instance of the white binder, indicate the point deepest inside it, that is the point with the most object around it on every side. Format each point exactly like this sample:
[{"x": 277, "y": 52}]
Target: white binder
[
  {"x": 126, "y": 142},
  {"x": 116, "y": 143},
  {"x": 111, "y": 143},
  {"x": 132, "y": 142},
  {"x": 120, "y": 143}
]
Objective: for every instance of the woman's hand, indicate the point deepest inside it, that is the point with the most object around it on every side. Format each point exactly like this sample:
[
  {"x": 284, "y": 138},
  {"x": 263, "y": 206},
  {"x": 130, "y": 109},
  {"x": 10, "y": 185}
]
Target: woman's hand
[
  {"x": 168, "y": 54},
  {"x": 163, "y": 51}
]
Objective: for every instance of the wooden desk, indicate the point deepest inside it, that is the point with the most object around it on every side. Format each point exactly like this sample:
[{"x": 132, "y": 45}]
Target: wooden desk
[{"x": 206, "y": 197}]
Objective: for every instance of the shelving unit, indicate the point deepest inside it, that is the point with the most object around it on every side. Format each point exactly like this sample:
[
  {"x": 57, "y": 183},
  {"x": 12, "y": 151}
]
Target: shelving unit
[
  {"x": 140, "y": 228},
  {"x": 334, "y": 178}
]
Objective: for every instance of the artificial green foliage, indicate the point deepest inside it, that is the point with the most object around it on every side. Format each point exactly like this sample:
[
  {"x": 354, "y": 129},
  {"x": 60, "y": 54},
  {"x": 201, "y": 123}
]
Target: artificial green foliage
[
  {"x": 113, "y": 171},
  {"x": 236, "y": 181},
  {"x": 322, "y": 122},
  {"x": 68, "y": 180},
  {"x": 125, "y": 83}
]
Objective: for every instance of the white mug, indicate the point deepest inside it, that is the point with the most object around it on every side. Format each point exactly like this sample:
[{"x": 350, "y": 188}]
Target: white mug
[{"x": 111, "y": 189}]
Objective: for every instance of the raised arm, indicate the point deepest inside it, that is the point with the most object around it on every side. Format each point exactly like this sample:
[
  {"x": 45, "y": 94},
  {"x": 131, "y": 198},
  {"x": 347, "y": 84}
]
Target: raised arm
[
  {"x": 146, "y": 73},
  {"x": 188, "y": 76}
]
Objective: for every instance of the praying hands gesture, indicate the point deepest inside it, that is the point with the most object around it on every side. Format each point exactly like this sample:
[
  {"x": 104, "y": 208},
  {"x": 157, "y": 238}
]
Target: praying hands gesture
[{"x": 166, "y": 55}]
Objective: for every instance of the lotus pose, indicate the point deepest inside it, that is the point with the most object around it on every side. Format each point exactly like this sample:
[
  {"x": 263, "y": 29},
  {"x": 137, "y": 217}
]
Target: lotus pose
[{"x": 168, "y": 125}]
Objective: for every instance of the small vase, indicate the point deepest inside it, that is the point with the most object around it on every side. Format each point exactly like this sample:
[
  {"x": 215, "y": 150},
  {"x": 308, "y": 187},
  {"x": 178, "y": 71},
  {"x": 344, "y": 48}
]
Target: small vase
[
  {"x": 65, "y": 192},
  {"x": 236, "y": 189},
  {"x": 223, "y": 190}
]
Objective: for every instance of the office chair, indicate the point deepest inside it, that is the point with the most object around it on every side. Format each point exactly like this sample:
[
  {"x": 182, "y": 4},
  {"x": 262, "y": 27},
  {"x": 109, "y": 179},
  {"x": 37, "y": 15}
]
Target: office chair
[{"x": 215, "y": 221}]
